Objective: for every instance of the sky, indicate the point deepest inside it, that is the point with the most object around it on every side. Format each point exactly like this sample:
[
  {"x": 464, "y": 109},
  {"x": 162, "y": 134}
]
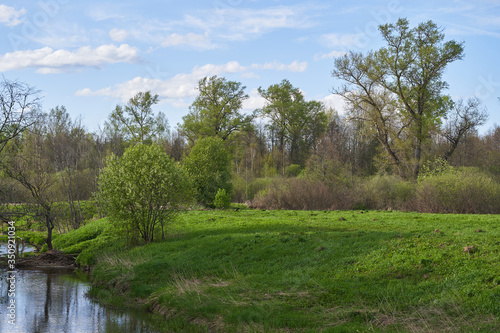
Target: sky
[{"x": 90, "y": 56}]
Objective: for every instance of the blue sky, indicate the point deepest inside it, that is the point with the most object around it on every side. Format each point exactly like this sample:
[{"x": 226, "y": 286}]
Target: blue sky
[{"x": 91, "y": 55}]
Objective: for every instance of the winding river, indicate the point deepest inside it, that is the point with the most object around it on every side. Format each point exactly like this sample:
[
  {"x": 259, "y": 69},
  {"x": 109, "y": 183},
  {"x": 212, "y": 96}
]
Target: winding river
[{"x": 55, "y": 300}]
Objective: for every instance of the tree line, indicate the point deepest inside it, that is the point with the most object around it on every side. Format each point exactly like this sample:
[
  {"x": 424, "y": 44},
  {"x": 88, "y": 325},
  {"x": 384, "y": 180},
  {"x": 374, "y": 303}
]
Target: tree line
[{"x": 399, "y": 123}]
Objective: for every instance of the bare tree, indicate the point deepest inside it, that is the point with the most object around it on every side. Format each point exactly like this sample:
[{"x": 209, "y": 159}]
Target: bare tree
[
  {"x": 27, "y": 163},
  {"x": 464, "y": 117},
  {"x": 19, "y": 104}
]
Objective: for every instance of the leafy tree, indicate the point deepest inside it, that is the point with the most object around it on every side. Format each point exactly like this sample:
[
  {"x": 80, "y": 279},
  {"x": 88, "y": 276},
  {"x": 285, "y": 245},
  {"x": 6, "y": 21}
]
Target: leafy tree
[
  {"x": 216, "y": 110},
  {"x": 398, "y": 89},
  {"x": 136, "y": 121},
  {"x": 209, "y": 167},
  {"x": 295, "y": 122},
  {"x": 142, "y": 191},
  {"x": 19, "y": 104}
]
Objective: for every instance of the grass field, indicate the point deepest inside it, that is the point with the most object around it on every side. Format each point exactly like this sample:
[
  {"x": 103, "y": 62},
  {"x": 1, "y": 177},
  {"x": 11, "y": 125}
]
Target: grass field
[{"x": 305, "y": 271}]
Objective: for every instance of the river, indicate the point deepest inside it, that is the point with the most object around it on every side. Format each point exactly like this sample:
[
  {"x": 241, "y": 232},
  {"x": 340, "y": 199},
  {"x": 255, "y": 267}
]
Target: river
[{"x": 55, "y": 300}]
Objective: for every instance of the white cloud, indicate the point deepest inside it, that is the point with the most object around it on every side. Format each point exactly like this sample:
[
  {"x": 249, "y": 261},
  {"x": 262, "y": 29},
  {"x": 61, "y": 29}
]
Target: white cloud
[
  {"x": 10, "y": 16},
  {"x": 196, "y": 41},
  {"x": 182, "y": 86},
  {"x": 335, "y": 40},
  {"x": 331, "y": 55},
  {"x": 118, "y": 35},
  {"x": 293, "y": 67},
  {"x": 335, "y": 102},
  {"x": 47, "y": 60},
  {"x": 254, "y": 101},
  {"x": 243, "y": 24}
]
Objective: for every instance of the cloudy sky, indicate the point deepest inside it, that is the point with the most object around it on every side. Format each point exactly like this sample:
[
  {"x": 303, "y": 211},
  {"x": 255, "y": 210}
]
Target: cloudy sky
[{"x": 91, "y": 55}]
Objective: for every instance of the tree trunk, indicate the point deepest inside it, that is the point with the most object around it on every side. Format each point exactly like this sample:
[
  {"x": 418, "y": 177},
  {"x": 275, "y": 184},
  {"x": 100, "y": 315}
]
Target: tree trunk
[{"x": 50, "y": 226}]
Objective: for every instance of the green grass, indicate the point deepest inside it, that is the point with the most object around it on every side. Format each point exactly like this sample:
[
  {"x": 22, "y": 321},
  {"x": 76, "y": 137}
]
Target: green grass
[
  {"x": 309, "y": 271},
  {"x": 88, "y": 241}
]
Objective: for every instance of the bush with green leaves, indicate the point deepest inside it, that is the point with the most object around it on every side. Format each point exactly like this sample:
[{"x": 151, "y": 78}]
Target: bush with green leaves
[
  {"x": 387, "y": 192},
  {"x": 222, "y": 199},
  {"x": 458, "y": 190},
  {"x": 209, "y": 168},
  {"x": 293, "y": 170},
  {"x": 142, "y": 191}
]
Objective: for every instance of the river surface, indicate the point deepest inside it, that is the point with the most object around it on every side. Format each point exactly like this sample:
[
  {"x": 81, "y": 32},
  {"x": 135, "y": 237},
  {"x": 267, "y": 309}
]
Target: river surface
[{"x": 55, "y": 300}]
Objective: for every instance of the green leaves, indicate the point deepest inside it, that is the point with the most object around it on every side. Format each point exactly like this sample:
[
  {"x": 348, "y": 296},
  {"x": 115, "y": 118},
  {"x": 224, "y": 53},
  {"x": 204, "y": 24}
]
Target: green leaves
[
  {"x": 295, "y": 121},
  {"x": 397, "y": 91},
  {"x": 143, "y": 190},
  {"x": 209, "y": 167},
  {"x": 215, "y": 112},
  {"x": 136, "y": 120}
]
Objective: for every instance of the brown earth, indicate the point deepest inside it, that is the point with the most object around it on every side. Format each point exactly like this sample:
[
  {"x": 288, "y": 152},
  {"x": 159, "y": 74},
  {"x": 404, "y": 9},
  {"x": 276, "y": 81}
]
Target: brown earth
[{"x": 52, "y": 258}]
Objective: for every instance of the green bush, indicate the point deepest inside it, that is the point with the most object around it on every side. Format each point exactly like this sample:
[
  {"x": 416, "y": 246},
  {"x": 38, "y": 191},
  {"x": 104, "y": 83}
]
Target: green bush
[
  {"x": 209, "y": 167},
  {"x": 246, "y": 190},
  {"x": 222, "y": 199},
  {"x": 462, "y": 190},
  {"x": 293, "y": 170},
  {"x": 142, "y": 191},
  {"x": 386, "y": 192}
]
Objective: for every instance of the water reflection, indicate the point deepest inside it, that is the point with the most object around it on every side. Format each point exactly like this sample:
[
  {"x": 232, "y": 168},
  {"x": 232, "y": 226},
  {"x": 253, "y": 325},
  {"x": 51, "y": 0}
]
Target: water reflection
[{"x": 51, "y": 300}]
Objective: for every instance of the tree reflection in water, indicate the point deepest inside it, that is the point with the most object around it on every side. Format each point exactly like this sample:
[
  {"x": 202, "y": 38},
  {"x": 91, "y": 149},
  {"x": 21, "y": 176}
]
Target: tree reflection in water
[{"x": 56, "y": 301}]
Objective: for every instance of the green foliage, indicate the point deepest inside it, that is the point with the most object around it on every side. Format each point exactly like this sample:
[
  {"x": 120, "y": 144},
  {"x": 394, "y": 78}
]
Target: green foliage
[
  {"x": 246, "y": 190},
  {"x": 294, "y": 120},
  {"x": 386, "y": 192},
  {"x": 397, "y": 91},
  {"x": 142, "y": 191},
  {"x": 136, "y": 120},
  {"x": 461, "y": 190},
  {"x": 293, "y": 170},
  {"x": 222, "y": 199},
  {"x": 216, "y": 110},
  {"x": 209, "y": 168},
  {"x": 434, "y": 168}
]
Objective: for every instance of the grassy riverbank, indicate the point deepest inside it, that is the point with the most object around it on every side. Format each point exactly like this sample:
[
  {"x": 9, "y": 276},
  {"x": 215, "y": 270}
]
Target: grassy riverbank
[{"x": 305, "y": 271}]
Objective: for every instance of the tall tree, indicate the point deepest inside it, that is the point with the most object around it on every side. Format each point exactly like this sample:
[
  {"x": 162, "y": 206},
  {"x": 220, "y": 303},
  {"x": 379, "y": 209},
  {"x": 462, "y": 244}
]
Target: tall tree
[
  {"x": 209, "y": 167},
  {"x": 19, "y": 104},
  {"x": 136, "y": 120},
  {"x": 27, "y": 162},
  {"x": 216, "y": 110},
  {"x": 295, "y": 122},
  {"x": 401, "y": 84}
]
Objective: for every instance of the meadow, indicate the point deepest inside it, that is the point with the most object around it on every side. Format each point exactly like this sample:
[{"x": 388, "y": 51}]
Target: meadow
[{"x": 303, "y": 271}]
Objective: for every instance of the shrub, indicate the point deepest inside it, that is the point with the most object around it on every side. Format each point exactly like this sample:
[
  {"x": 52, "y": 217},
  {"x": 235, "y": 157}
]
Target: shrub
[
  {"x": 142, "y": 191},
  {"x": 463, "y": 190},
  {"x": 293, "y": 170},
  {"x": 246, "y": 190},
  {"x": 222, "y": 199},
  {"x": 386, "y": 192},
  {"x": 301, "y": 194}
]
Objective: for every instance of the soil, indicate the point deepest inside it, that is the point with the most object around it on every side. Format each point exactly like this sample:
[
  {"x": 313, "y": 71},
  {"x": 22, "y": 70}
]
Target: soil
[{"x": 52, "y": 258}]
